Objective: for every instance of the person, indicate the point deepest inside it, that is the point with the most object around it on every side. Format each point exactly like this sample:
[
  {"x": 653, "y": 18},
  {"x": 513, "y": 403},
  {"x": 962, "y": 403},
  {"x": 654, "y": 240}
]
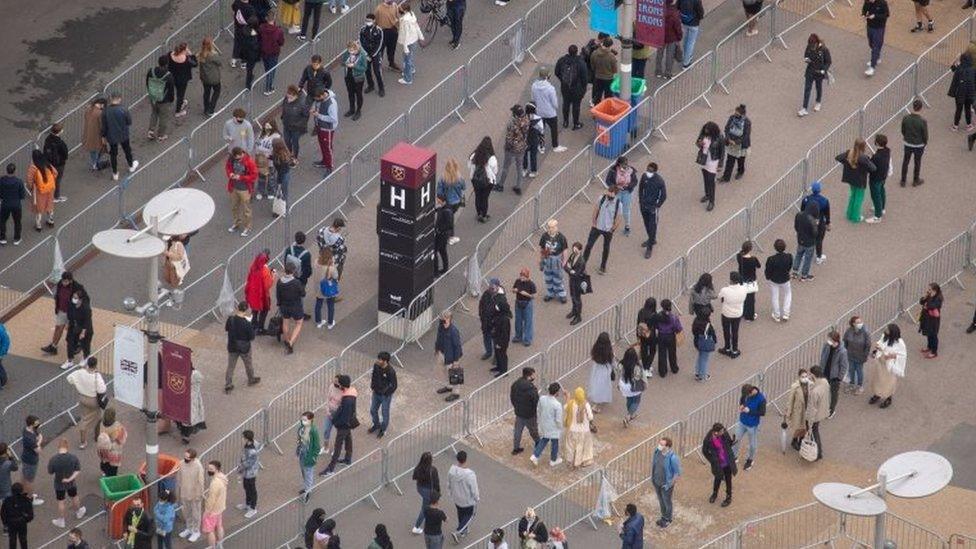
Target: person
[
  {"x": 16, "y": 512},
  {"x": 443, "y": 232},
  {"x": 462, "y": 485},
  {"x": 532, "y": 529},
  {"x": 315, "y": 79},
  {"x": 56, "y": 151},
  {"x": 356, "y": 64},
  {"x": 666, "y": 55},
  {"x": 501, "y": 331},
  {"x": 805, "y": 224},
  {"x": 875, "y": 14},
  {"x": 577, "y": 419},
  {"x": 197, "y": 412},
  {"x": 915, "y": 133},
  {"x": 42, "y": 180},
  {"x": 289, "y": 293},
  {"x": 180, "y": 63},
  {"x": 139, "y": 526},
  {"x": 89, "y": 384},
  {"x": 857, "y": 343},
  {"x": 891, "y": 358},
  {"x": 115, "y": 133},
  {"x": 534, "y": 142},
  {"x": 371, "y": 40},
  {"x": 667, "y": 326},
  {"x": 300, "y": 258},
  {"x": 550, "y": 414},
  {"x": 922, "y": 10},
  {"x": 262, "y": 158},
  {"x": 525, "y": 399},
  {"x": 600, "y": 385},
  {"x": 272, "y": 38},
  {"x": 80, "y": 330},
  {"x": 383, "y": 383},
  {"x": 381, "y": 538},
  {"x": 344, "y": 420},
  {"x": 448, "y": 345},
  {"x": 65, "y": 468},
  {"x": 631, "y": 383},
  {"x": 64, "y": 290},
  {"x": 794, "y": 416},
  {"x": 333, "y": 397},
  {"x": 605, "y": 66},
  {"x": 547, "y": 105},
  {"x": 857, "y": 168},
  {"x": 702, "y": 295},
  {"x": 823, "y": 220},
  {"x": 573, "y": 75},
  {"x": 717, "y": 450},
  {"x": 242, "y": 173},
  {"x": 248, "y": 467},
  {"x": 327, "y": 290},
  {"x": 387, "y": 15},
  {"x": 711, "y": 149},
  {"x": 190, "y": 483},
  {"x": 110, "y": 443},
  {"x": 409, "y": 36},
  {"x": 642, "y": 53},
  {"x": 624, "y": 177},
  {"x": 738, "y": 139},
  {"x": 691, "y": 13},
  {"x": 733, "y": 298},
  {"x": 177, "y": 262},
  {"x": 451, "y": 185},
  {"x": 8, "y": 465},
  {"x": 929, "y": 319},
  {"x": 524, "y": 290},
  {"x": 75, "y": 540},
  {"x": 4, "y": 349},
  {"x": 240, "y": 334},
  {"x": 434, "y": 519},
  {"x": 214, "y": 505},
  {"x": 165, "y": 515},
  {"x": 752, "y": 408},
  {"x": 631, "y": 530},
  {"x": 748, "y": 265},
  {"x": 817, "y": 59},
  {"x": 752, "y": 9},
  {"x": 294, "y": 120},
  {"x": 604, "y": 223},
  {"x": 325, "y": 114},
  {"x": 307, "y": 450},
  {"x": 496, "y": 540},
  {"x": 834, "y": 364},
  {"x": 483, "y": 167},
  {"x": 552, "y": 258},
  {"x": 325, "y": 537},
  {"x": 333, "y": 238},
  {"x": 486, "y": 313},
  {"x": 575, "y": 267},
  {"x": 705, "y": 340},
  {"x": 257, "y": 290},
  {"x": 91, "y": 136},
  {"x": 209, "y": 63},
  {"x": 243, "y": 12},
  {"x": 312, "y": 525},
  {"x": 665, "y": 472},
  {"x": 817, "y": 405},
  {"x": 31, "y": 440},
  {"x": 651, "y": 194},
  {"x": 516, "y": 141},
  {"x": 778, "y": 273},
  {"x": 311, "y": 14},
  {"x": 428, "y": 483},
  {"x": 882, "y": 159}
]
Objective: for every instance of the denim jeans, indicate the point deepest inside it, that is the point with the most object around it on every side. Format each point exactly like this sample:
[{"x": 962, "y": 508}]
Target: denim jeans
[
  {"x": 523, "y": 323},
  {"x": 625, "y": 197},
  {"x": 380, "y": 402},
  {"x": 93, "y": 159},
  {"x": 690, "y": 35},
  {"x": 283, "y": 180},
  {"x": 665, "y": 502},
  {"x": 808, "y": 83},
  {"x": 803, "y": 259},
  {"x": 857, "y": 373},
  {"x": 164, "y": 541},
  {"x": 553, "y": 449},
  {"x": 326, "y": 429},
  {"x": 433, "y": 541},
  {"x": 521, "y": 424},
  {"x": 425, "y": 493},
  {"x": 291, "y": 141},
  {"x": 329, "y": 306},
  {"x": 308, "y": 477},
  {"x": 701, "y": 364},
  {"x": 270, "y": 62},
  {"x": 633, "y": 403},
  {"x": 742, "y": 431},
  {"x": 408, "y": 67},
  {"x": 875, "y": 42}
]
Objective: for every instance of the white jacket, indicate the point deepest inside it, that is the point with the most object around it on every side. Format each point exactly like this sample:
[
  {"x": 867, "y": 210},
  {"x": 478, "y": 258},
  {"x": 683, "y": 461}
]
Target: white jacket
[
  {"x": 87, "y": 383},
  {"x": 894, "y": 365},
  {"x": 491, "y": 168},
  {"x": 409, "y": 30}
]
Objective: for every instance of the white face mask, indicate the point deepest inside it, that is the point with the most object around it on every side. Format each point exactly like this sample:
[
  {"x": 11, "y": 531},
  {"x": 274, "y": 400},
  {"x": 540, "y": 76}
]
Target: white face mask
[
  {"x": 306, "y": 422},
  {"x": 662, "y": 448},
  {"x": 858, "y": 325},
  {"x": 831, "y": 342},
  {"x": 351, "y": 52},
  {"x": 804, "y": 379},
  {"x": 369, "y": 23},
  {"x": 76, "y": 301}
]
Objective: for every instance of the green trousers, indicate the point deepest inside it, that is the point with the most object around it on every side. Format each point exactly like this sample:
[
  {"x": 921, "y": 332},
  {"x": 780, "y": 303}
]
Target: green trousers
[
  {"x": 878, "y": 197},
  {"x": 854, "y": 204}
]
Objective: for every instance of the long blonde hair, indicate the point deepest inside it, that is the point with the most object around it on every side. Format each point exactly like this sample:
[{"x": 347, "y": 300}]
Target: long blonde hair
[
  {"x": 452, "y": 171},
  {"x": 206, "y": 48},
  {"x": 858, "y": 150}
]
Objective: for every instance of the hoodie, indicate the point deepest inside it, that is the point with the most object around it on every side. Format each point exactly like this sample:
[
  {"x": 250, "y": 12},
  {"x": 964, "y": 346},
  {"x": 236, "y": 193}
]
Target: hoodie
[
  {"x": 344, "y": 415},
  {"x": 822, "y": 203},
  {"x": 544, "y": 97},
  {"x": 805, "y": 224},
  {"x": 326, "y": 112},
  {"x": 462, "y": 485},
  {"x": 12, "y": 192}
]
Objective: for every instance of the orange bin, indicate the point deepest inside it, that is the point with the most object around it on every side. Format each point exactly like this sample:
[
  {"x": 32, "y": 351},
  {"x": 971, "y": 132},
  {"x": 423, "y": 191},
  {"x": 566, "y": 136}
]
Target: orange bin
[
  {"x": 611, "y": 136},
  {"x": 166, "y": 464}
]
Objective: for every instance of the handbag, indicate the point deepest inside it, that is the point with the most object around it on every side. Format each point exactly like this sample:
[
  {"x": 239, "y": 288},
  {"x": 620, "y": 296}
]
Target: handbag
[
  {"x": 100, "y": 398},
  {"x": 701, "y": 158},
  {"x": 354, "y": 422},
  {"x": 751, "y": 287},
  {"x": 274, "y": 326},
  {"x": 679, "y": 338},
  {"x": 593, "y": 428},
  {"x": 278, "y": 205},
  {"x": 455, "y": 375},
  {"x": 809, "y": 448},
  {"x": 586, "y": 285}
]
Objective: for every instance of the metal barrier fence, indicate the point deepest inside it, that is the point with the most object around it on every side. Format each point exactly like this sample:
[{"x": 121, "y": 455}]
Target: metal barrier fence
[
  {"x": 933, "y": 65},
  {"x": 887, "y": 104},
  {"x": 229, "y": 448},
  {"x": 795, "y": 13},
  {"x": 722, "y": 409},
  {"x": 821, "y": 158},
  {"x": 902, "y": 533},
  {"x": 287, "y": 71},
  {"x": 73, "y": 124},
  {"x": 35, "y": 261},
  {"x": 272, "y": 528},
  {"x": 74, "y": 235},
  {"x": 330, "y": 42},
  {"x": 565, "y": 355},
  {"x": 506, "y": 238},
  {"x": 712, "y": 251},
  {"x": 205, "y": 23},
  {"x": 941, "y": 266},
  {"x": 357, "y": 358},
  {"x": 631, "y": 469},
  {"x": 636, "y": 126},
  {"x": 490, "y": 402},
  {"x": 446, "y": 292},
  {"x": 667, "y": 283},
  {"x": 167, "y": 170},
  {"x": 807, "y": 526},
  {"x": 175, "y": 321},
  {"x": 364, "y": 164},
  {"x": 131, "y": 83},
  {"x": 207, "y": 139},
  {"x": 437, "y": 105},
  {"x": 320, "y": 203},
  {"x": 306, "y": 394},
  {"x": 738, "y": 48},
  {"x": 504, "y": 51},
  {"x": 683, "y": 91},
  {"x": 570, "y": 181},
  {"x": 876, "y": 310},
  {"x": 436, "y": 434},
  {"x": 545, "y": 17},
  {"x": 350, "y": 485},
  {"x": 781, "y": 373},
  {"x": 962, "y": 541},
  {"x": 780, "y": 198}
]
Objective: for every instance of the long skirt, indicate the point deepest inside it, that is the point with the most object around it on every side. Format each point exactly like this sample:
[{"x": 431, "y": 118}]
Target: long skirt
[
  {"x": 579, "y": 448},
  {"x": 90, "y": 414},
  {"x": 883, "y": 382},
  {"x": 552, "y": 270}
]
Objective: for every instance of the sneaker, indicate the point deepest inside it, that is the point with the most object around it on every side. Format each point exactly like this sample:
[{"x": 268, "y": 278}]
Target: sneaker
[
  {"x": 534, "y": 460},
  {"x": 320, "y": 324},
  {"x": 3, "y": 241},
  {"x": 115, "y": 176},
  {"x": 302, "y": 37},
  {"x": 330, "y": 325},
  {"x": 525, "y": 173},
  {"x": 193, "y": 537},
  {"x": 404, "y": 82},
  {"x": 250, "y": 513},
  {"x": 49, "y": 349},
  {"x": 294, "y": 30},
  {"x": 80, "y": 514},
  {"x": 816, "y": 107},
  {"x": 233, "y": 62},
  {"x": 68, "y": 365},
  {"x": 232, "y": 228},
  {"x": 61, "y": 199},
  {"x": 955, "y": 128},
  {"x": 748, "y": 465},
  {"x": 453, "y": 240},
  {"x": 821, "y": 259},
  {"x": 556, "y": 463},
  {"x": 533, "y": 175},
  {"x": 869, "y": 71},
  {"x": 59, "y": 522},
  {"x": 786, "y": 318},
  {"x": 254, "y": 381},
  {"x": 134, "y": 166},
  {"x": 559, "y": 149},
  {"x": 416, "y": 531},
  {"x": 245, "y": 232},
  {"x": 873, "y": 220},
  {"x": 859, "y": 391},
  {"x": 268, "y": 92},
  {"x": 775, "y": 318},
  {"x": 184, "y": 533},
  {"x": 37, "y": 501},
  {"x": 344, "y": 9},
  {"x": 241, "y": 506},
  {"x": 332, "y": 9},
  {"x": 17, "y": 242}
]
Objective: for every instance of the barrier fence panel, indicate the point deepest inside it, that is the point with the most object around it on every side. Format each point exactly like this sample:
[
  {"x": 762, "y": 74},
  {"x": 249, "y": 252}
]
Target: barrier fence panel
[
  {"x": 131, "y": 83},
  {"x": 878, "y": 309},
  {"x": 667, "y": 283},
  {"x": 779, "y": 199},
  {"x": 320, "y": 203},
  {"x": 490, "y": 402},
  {"x": 504, "y": 51},
  {"x": 780, "y": 374},
  {"x": 21, "y": 157},
  {"x": 349, "y": 486},
  {"x": 899, "y": 533},
  {"x": 364, "y": 166},
  {"x": 74, "y": 236},
  {"x": 331, "y": 41},
  {"x": 893, "y": 100},
  {"x": 504, "y": 240},
  {"x": 728, "y": 540},
  {"x": 161, "y": 173},
  {"x": 228, "y": 449},
  {"x": 26, "y": 274},
  {"x": 198, "y": 303},
  {"x": 933, "y": 65},
  {"x": 271, "y": 529},
  {"x": 205, "y": 23},
  {"x": 565, "y": 355},
  {"x": 48, "y": 402},
  {"x": 807, "y": 526},
  {"x": 357, "y": 358},
  {"x": 631, "y": 469},
  {"x": 61, "y": 540},
  {"x": 207, "y": 139},
  {"x": 438, "y": 104},
  {"x": 738, "y": 47},
  {"x": 436, "y": 434},
  {"x": 273, "y": 237},
  {"x": 722, "y": 409},
  {"x": 447, "y": 291},
  {"x": 790, "y": 14},
  {"x": 73, "y": 124},
  {"x": 962, "y": 541},
  {"x": 306, "y": 394},
  {"x": 941, "y": 266},
  {"x": 545, "y": 17},
  {"x": 567, "y": 183},
  {"x": 821, "y": 158},
  {"x": 682, "y": 91},
  {"x": 717, "y": 247},
  {"x": 287, "y": 71},
  {"x": 636, "y": 126}
]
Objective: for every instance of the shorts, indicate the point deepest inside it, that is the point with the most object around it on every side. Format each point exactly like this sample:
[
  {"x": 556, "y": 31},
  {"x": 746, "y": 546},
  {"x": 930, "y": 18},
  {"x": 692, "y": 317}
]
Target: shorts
[
  {"x": 753, "y": 9},
  {"x": 72, "y": 491},
  {"x": 60, "y": 319},
  {"x": 211, "y": 522},
  {"x": 293, "y": 314},
  {"x": 28, "y": 471}
]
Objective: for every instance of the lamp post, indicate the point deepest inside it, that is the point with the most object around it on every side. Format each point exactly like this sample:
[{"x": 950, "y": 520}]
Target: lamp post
[{"x": 174, "y": 212}]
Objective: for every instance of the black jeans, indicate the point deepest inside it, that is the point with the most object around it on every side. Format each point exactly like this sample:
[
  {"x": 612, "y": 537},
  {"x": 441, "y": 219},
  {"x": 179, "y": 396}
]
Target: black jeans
[
  {"x": 113, "y": 154},
  {"x": 465, "y": 514},
  {"x": 343, "y": 438},
  {"x": 258, "y": 319},
  {"x": 821, "y": 233},
  {"x": 726, "y": 475},
  {"x": 932, "y": 340},
  {"x": 667, "y": 352},
  {"x": 375, "y": 71},
  {"x": 730, "y": 332},
  {"x": 440, "y": 253},
  {"x": 730, "y": 162},
  {"x": 650, "y": 225},
  {"x": 15, "y": 533},
  {"x": 354, "y": 90},
  {"x": 815, "y": 429},
  {"x": 249, "y": 72},
  {"x": 6, "y": 213},
  {"x": 591, "y": 240},
  {"x": 749, "y": 307},
  {"x": 648, "y": 348},
  {"x": 455, "y": 14},
  {"x": 909, "y": 153},
  {"x": 389, "y": 44},
  {"x": 963, "y": 105},
  {"x": 481, "y": 196},
  {"x": 180, "y": 86},
  {"x": 501, "y": 355},
  {"x": 809, "y": 82},
  {"x": 251, "y": 492},
  {"x": 575, "y": 297},
  {"x": 601, "y": 90},
  {"x": 834, "y": 392},
  {"x": 211, "y": 92},
  {"x": 553, "y": 124},
  {"x": 708, "y": 178},
  {"x": 311, "y": 10},
  {"x": 571, "y": 102}
]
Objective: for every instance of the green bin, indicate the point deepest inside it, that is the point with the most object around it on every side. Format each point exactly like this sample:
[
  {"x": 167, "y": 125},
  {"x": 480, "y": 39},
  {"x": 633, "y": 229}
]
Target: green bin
[
  {"x": 118, "y": 487},
  {"x": 638, "y": 86}
]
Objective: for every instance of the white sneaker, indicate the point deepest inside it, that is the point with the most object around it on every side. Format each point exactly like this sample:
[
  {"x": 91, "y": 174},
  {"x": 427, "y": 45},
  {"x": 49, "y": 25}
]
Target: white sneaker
[
  {"x": 258, "y": 197},
  {"x": 185, "y": 533},
  {"x": 332, "y": 9},
  {"x": 330, "y": 325},
  {"x": 453, "y": 240},
  {"x": 873, "y": 220},
  {"x": 80, "y": 514},
  {"x": 268, "y": 92},
  {"x": 241, "y": 506},
  {"x": 534, "y": 460},
  {"x": 555, "y": 463},
  {"x": 250, "y": 513},
  {"x": 775, "y": 318},
  {"x": 294, "y": 30},
  {"x": 115, "y": 176},
  {"x": 404, "y": 82},
  {"x": 37, "y": 501},
  {"x": 344, "y": 9},
  {"x": 533, "y": 175},
  {"x": 232, "y": 228},
  {"x": 68, "y": 365},
  {"x": 525, "y": 173},
  {"x": 559, "y": 149},
  {"x": 233, "y": 62},
  {"x": 245, "y": 233},
  {"x": 869, "y": 72},
  {"x": 17, "y": 242},
  {"x": 59, "y": 522},
  {"x": 193, "y": 537},
  {"x": 816, "y": 107},
  {"x": 320, "y": 324},
  {"x": 802, "y": 112},
  {"x": 61, "y": 199},
  {"x": 821, "y": 259},
  {"x": 134, "y": 166},
  {"x": 416, "y": 531}
]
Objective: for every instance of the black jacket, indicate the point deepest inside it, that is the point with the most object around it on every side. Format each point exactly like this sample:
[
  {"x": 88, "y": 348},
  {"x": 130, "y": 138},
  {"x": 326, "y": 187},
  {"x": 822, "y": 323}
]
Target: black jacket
[
  {"x": 289, "y": 294},
  {"x": 882, "y": 161},
  {"x": 486, "y": 310},
  {"x": 711, "y": 454},
  {"x": 878, "y": 8},
  {"x": 56, "y": 151},
  {"x": 80, "y": 317},
  {"x": 304, "y": 258},
  {"x": 692, "y": 12},
  {"x": 778, "y": 267},
  {"x": 524, "y": 398},
  {"x": 343, "y": 417},
  {"x": 963, "y": 85},
  {"x": 539, "y": 529},
  {"x": 856, "y": 176},
  {"x": 145, "y": 530},
  {"x": 115, "y": 124},
  {"x": 16, "y": 510},
  {"x": 294, "y": 115},
  {"x": 162, "y": 72},
  {"x": 805, "y": 224},
  {"x": 315, "y": 81},
  {"x": 818, "y": 61},
  {"x": 383, "y": 381},
  {"x": 651, "y": 192},
  {"x": 240, "y": 334},
  {"x": 501, "y": 322},
  {"x": 575, "y": 65},
  {"x": 371, "y": 39},
  {"x": 12, "y": 192}
]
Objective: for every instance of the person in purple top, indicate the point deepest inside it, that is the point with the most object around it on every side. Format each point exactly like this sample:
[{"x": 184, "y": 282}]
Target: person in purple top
[
  {"x": 668, "y": 328},
  {"x": 717, "y": 449}
]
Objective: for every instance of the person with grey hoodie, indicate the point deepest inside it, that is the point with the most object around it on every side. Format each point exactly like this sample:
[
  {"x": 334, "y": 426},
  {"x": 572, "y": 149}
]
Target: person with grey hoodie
[
  {"x": 550, "y": 414},
  {"x": 857, "y": 341},
  {"x": 115, "y": 133},
  {"x": 248, "y": 469},
  {"x": 238, "y": 132},
  {"x": 462, "y": 484},
  {"x": 547, "y": 105}
]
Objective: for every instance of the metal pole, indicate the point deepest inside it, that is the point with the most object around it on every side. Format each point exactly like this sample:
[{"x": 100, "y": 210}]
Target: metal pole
[
  {"x": 627, "y": 49},
  {"x": 152, "y": 375},
  {"x": 879, "y": 521}
]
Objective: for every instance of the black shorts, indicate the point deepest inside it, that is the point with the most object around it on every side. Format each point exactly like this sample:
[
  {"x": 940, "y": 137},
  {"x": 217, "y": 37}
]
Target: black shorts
[
  {"x": 753, "y": 9},
  {"x": 71, "y": 491},
  {"x": 293, "y": 313}
]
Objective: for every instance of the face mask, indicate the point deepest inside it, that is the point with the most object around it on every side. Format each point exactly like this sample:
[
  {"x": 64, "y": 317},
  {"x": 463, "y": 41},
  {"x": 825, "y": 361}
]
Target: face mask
[
  {"x": 306, "y": 422},
  {"x": 188, "y": 460},
  {"x": 248, "y": 317},
  {"x": 76, "y": 301},
  {"x": 351, "y": 52},
  {"x": 804, "y": 380},
  {"x": 239, "y": 121},
  {"x": 858, "y": 325},
  {"x": 211, "y": 473},
  {"x": 662, "y": 448},
  {"x": 369, "y": 23}
]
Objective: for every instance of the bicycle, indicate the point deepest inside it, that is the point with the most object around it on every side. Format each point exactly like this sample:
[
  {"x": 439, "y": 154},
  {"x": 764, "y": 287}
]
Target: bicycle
[{"x": 436, "y": 11}]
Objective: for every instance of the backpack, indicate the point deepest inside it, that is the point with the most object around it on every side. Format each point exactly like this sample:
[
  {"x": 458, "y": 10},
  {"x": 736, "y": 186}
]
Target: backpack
[
  {"x": 479, "y": 179},
  {"x": 568, "y": 73},
  {"x": 737, "y": 127},
  {"x": 295, "y": 260},
  {"x": 156, "y": 86}
]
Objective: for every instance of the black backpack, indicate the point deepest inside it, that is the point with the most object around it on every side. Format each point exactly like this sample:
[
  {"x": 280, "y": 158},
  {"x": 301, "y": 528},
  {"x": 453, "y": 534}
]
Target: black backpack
[
  {"x": 568, "y": 73},
  {"x": 479, "y": 179}
]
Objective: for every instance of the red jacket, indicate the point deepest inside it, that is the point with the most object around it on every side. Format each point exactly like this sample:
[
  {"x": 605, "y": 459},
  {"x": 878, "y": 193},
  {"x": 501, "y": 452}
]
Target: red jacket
[
  {"x": 272, "y": 38},
  {"x": 249, "y": 176},
  {"x": 672, "y": 24}
]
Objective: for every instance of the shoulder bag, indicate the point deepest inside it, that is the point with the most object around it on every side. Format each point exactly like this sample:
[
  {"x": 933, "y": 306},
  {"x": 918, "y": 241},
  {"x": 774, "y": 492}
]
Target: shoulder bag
[{"x": 809, "y": 448}]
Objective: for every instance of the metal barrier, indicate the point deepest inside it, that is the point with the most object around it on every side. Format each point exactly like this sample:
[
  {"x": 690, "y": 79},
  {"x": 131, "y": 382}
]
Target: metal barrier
[
  {"x": 631, "y": 469},
  {"x": 229, "y": 448},
  {"x": 722, "y": 409},
  {"x": 174, "y": 322},
  {"x": 272, "y": 528},
  {"x": 331, "y": 41},
  {"x": 738, "y": 47},
  {"x": 495, "y": 58},
  {"x": 436, "y": 434},
  {"x": 683, "y": 91},
  {"x": 933, "y": 65},
  {"x": 568, "y": 353},
  {"x": 779, "y": 376},
  {"x": 667, "y": 283},
  {"x": 712, "y": 251},
  {"x": 902, "y": 533},
  {"x": 320, "y": 203},
  {"x": 569, "y": 181},
  {"x": 205, "y": 23},
  {"x": 364, "y": 164},
  {"x": 941, "y": 266},
  {"x": 887, "y": 104},
  {"x": 350, "y": 485},
  {"x": 446, "y": 292},
  {"x": 821, "y": 158},
  {"x": 506, "y": 238},
  {"x": 73, "y": 123},
  {"x": 167, "y": 170},
  {"x": 728, "y": 540},
  {"x": 287, "y": 71},
  {"x": 795, "y": 13},
  {"x": 806, "y": 526},
  {"x": 131, "y": 83},
  {"x": 273, "y": 237},
  {"x": 74, "y": 236},
  {"x": 62, "y": 539},
  {"x": 207, "y": 139},
  {"x": 306, "y": 394},
  {"x": 962, "y": 541},
  {"x": 780, "y": 198},
  {"x": 545, "y": 17},
  {"x": 438, "y": 104},
  {"x": 21, "y": 157},
  {"x": 490, "y": 402},
  {"x": 59, "y": 398},
  {"x": 15, "y": 277},
  {"x": 356, "y": 359},
  {"x": 878, "y": 309}
]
